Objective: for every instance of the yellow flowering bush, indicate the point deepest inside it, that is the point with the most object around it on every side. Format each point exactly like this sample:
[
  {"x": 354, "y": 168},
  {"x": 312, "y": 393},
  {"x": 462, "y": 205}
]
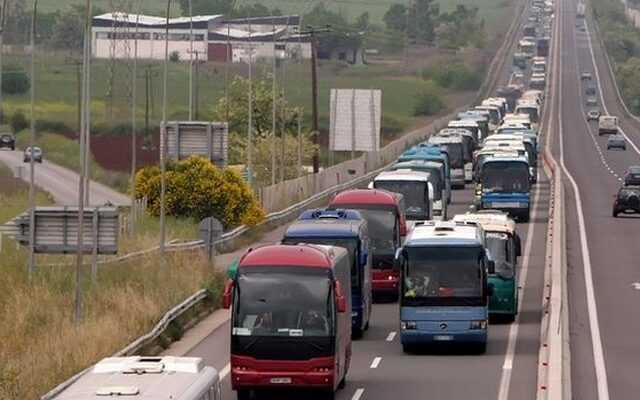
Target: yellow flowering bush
[{"x": 198, "y": 189}]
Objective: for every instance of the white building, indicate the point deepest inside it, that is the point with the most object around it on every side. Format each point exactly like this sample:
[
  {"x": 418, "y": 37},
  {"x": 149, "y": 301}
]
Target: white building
[{"x": 212, "y": 37}]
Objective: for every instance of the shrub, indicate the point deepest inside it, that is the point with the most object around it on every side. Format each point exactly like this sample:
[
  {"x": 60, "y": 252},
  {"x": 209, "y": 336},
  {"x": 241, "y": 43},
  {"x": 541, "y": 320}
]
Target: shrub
[
  {"x": 174, "y": 56},
  {"x": 198, "y": 189},
  {"x": 16, "y": 82},
  {"x": 18, "y": 121},
  {"x": 454, "y": 75},
  {"x": 430, "y": 99},
  {"x": 59, "y": 127}
]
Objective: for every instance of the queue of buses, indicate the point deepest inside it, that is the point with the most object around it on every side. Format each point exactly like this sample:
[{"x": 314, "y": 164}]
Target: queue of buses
[{"x": 298, "y": 304}]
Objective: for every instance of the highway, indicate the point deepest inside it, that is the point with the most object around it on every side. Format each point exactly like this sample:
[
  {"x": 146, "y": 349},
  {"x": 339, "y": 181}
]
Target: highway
[
  {"x": 602, "y": 251},
  {"x": 379, "y": 368},
  {"x": 62, "y": 183}
]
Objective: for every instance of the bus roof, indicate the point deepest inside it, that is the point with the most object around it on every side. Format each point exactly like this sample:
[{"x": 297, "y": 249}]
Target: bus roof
[
  {"x": 504, "y": 158},
  {"x": 303, "y": 254},
  {"x": 490, "y": 222},
  {"x": 418, "y": 163},
  {"x": 402, "y": 175},
  {"x": 364, "y": 196},
  {"x": 445, "y": 233},
  {"x": 462, "y": 123},
  {"x": 445, "y": 139},
  {"x": 179, "y": 378}
]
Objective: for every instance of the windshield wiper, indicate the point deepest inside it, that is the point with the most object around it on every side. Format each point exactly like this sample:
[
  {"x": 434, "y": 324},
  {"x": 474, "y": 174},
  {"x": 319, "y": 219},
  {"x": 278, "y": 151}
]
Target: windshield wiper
[{"x": 254, "y": 341}]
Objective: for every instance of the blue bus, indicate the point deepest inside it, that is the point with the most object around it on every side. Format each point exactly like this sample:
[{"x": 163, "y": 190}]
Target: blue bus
[
  {"x": 504, "y": 184},
  {"x": 348, "y": 229},
  {"x": 444, "y": 292}
]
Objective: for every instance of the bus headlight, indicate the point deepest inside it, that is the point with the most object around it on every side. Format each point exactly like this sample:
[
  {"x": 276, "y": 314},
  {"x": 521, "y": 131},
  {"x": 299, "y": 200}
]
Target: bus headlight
[
  {"x": 408, "y": 325},
  {"x": 482, "y": 324}
]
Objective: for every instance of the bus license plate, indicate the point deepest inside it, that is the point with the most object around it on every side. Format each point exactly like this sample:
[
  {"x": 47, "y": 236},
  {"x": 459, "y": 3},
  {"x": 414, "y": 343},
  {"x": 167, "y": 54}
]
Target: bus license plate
[
  {"x": 280, "y": 381},
  {"x": 443, "y": 338}
]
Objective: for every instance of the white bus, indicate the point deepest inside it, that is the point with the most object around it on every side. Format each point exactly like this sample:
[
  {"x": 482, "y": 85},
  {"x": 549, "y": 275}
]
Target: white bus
[{"x": 146, "y": 378}]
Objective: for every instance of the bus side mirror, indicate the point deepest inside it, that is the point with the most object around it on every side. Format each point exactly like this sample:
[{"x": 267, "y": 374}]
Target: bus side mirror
[
  {"x": 403, "y": 227},
  {"x": 341, "y": 302},
  {"x": 363, "y": 254},
  {"x": 491, "y": 267},
  {"x": 227, "y": 294},
  {"x": 397, "y": 261},
  {"x": 518, "y": 246}
]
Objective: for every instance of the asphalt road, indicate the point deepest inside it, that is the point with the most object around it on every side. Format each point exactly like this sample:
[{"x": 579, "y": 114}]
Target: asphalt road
[
  {"x": 602, "y": 251},
  {"x": 61, "y": 182},
  {"x": 379, "y": 368}
]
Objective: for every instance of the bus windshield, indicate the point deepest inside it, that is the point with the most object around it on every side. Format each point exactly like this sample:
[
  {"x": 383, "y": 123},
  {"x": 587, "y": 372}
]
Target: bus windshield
[
  {"x": 415, "y": 196},
  {"x": 441, "y": 275},
  {"x": 505, "y": 176},
  {"x": 382, "y": 231},
  {"x": 456, "y": 155},
  {"x": 349, "y": 243},
  {"x": 498, "y": 247},
  {"x": 283, "y": 301}
]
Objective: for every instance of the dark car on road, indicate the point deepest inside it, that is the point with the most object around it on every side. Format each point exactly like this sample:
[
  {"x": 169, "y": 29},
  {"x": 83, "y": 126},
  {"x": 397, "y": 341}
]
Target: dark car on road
[
  {"x": 616, "y": 142},
  {"x": 36, "y": 154},
  {"x": 7, "y": 141},
  {"x": 590, "y": 90},
  {"x": 627, "y": 201},
  {"x": 632, "y": 176}
]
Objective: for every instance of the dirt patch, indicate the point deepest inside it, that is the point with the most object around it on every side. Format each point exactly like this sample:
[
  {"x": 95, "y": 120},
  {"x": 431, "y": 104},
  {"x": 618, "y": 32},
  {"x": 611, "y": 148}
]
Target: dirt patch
[{"x": 114, "y": 153}]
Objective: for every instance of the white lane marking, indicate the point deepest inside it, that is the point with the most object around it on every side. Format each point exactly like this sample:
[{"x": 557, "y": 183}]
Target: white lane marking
[
  {"x": 357, "y": 394},
  {"x": 596, "y": 340},
  {"x": 225, "y": 371},
  {"x": 507, "y": 366},
  {"x": 636, "y": 285},
  {"x": 391, "y": 336},
  {"x": 376, "y": 361}
]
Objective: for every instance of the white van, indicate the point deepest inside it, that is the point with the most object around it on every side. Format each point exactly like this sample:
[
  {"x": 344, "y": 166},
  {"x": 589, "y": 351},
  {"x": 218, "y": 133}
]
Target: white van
[
  {"x": 607, "y": 124},
  {"x": 146, "y": 378}
]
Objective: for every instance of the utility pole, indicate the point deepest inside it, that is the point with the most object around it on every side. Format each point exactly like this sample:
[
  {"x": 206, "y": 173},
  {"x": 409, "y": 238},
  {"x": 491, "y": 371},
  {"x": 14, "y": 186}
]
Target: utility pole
[
  {"x": 193, "y": 94},
  {"x": 250, "y": 117},
  {"x": 3, "y": 14},
  {"x": 273, "y": 107},
  {"x": 32, "y": 163},
  {"x": 134, "y": 125},
  {"x": 78, "y": 65},
  {"x": 190, "y": 61},
  {"x": 163, "y": 147},
  {"x": 313, "y": 32}
]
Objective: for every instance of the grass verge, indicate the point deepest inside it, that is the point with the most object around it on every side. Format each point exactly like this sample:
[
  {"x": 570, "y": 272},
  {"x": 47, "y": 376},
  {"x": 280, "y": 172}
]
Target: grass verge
[{"x": 41, "y": 345}]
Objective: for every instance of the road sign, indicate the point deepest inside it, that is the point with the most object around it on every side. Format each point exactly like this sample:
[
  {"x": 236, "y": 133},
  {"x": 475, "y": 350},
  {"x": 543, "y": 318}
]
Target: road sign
[
  {"x": 56, "y": 230},
  {"x": 189, "y": 138},
  {"x": 210, "y": 230},
  {"x": 355, "y": 120}
]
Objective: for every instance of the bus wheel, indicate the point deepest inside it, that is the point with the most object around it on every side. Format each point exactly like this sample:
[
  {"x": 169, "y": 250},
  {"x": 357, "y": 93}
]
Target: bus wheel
[
  {"x": 356, "y": 333},
  {"x": 408, "y": 348},
  {"x": 243, "y": 394},
  {"x": 330, "y": 395},
  {"x": 481, "y": 348}
]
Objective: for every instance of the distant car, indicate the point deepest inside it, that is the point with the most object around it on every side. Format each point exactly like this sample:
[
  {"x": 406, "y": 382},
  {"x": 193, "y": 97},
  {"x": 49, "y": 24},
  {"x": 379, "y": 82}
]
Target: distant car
[
  {"x": 627, "y": 200},
  {"x": 593, "y": 114},
  {"x": 7, "y": 141},
  {"x": 632, "y": 176},
  {"x": 585, "y": 76},
  {"x": 591, "y": 102},
  {"x": 36, "y": 154},
  {"x": 590, "y": 90},
  {"x": 616, "y": 142}
]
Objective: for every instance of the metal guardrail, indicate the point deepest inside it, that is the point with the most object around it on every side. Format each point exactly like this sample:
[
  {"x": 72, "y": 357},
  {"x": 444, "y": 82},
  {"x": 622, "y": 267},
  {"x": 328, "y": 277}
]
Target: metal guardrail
[
  {"x": 273, "y": 218},
  {"x": 142, "y": 341}
]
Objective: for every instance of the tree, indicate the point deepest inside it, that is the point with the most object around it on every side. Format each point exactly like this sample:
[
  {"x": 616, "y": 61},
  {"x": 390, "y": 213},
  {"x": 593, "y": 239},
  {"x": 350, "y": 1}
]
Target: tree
[
  {"x": 430, "y": 100},
  {"x": 68, "y": 29},
  {"x": 18, "y": 121},
  {"x": 15, "y": 82},
  {"x": 198, "y": 189},
  {"x": 362, "y": 22},
  {"x": 421, "y": 20},
  {"x": 342, "y": 34},
  {"x": 396, "y": 17}
]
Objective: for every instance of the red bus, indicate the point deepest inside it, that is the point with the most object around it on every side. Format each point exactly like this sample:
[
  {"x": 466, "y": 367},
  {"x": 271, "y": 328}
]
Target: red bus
[
  {"x": 387, "y": 223},
  {"x": 289, "y": 325}
]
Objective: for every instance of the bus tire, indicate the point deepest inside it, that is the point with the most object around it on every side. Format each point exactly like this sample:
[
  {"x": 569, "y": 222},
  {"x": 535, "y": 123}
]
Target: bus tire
[
  {"x": 481, "y": 348},
  {"x": 356, "y": 333},
  {"x": 243, "y": 394},
  {"x": 408, "y": 348},
  {"x": 330, "y": 394}
]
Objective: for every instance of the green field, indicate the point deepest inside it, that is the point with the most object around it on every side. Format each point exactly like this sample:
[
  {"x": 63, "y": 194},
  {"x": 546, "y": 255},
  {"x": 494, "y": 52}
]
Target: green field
[{"x": 153, "y": 7}]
